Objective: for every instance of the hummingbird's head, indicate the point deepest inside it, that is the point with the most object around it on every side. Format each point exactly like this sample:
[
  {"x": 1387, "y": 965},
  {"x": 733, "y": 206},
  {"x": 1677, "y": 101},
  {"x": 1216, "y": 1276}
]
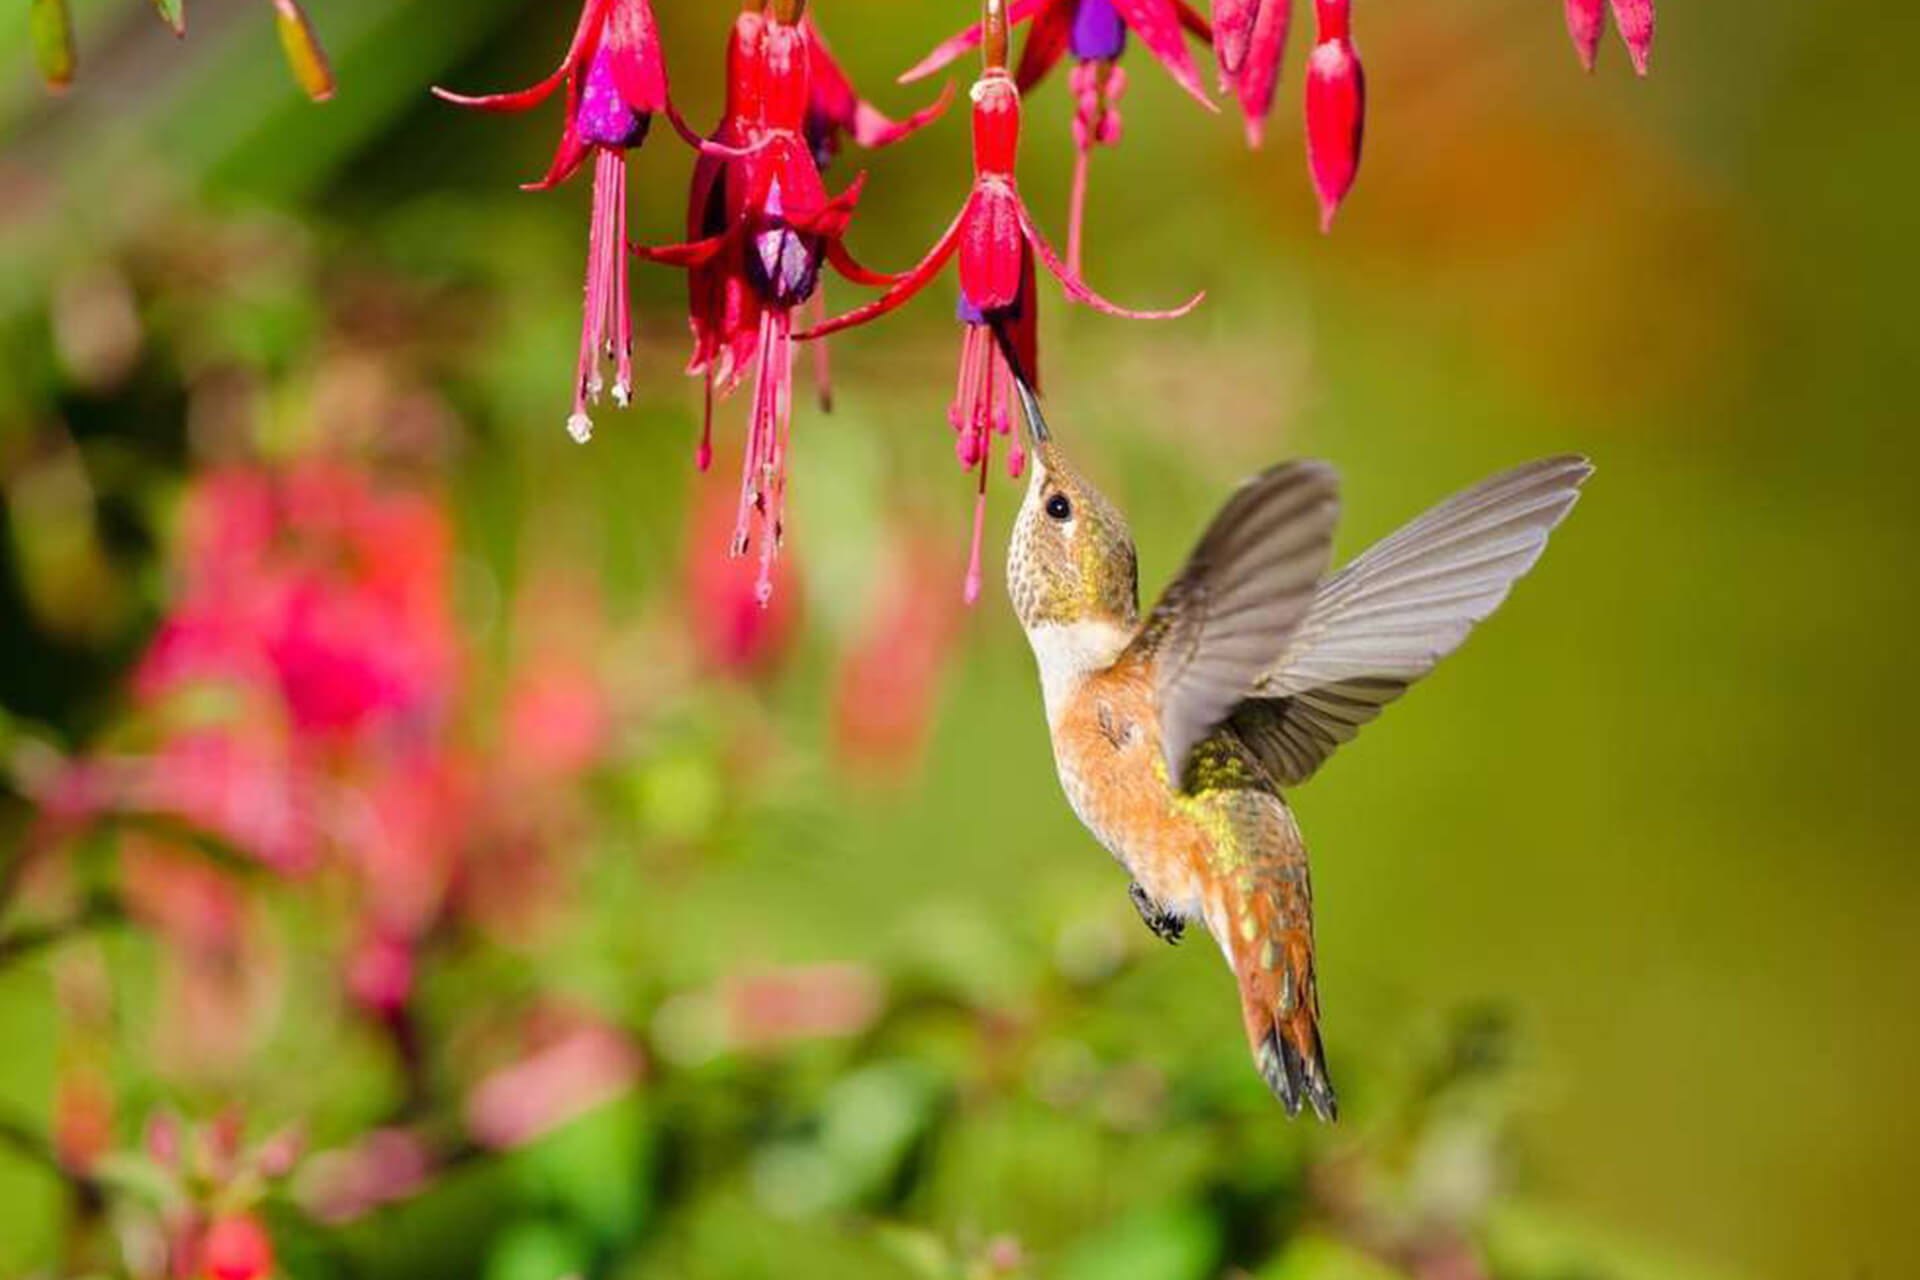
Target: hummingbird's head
[{"x": 1071, "y": 559}]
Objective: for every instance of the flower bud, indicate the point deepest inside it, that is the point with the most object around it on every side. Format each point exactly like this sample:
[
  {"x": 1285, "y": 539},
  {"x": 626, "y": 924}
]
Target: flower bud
[
  {"x": 236, "y": 1248},
  {"x": 1635, "y": 20},
  {"x": 1336, "y": 115},
  {"x": 1586, "y": 19}
]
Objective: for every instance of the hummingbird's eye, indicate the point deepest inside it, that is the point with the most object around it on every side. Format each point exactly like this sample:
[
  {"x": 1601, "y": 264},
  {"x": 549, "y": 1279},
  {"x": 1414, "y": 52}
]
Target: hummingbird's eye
[{"x": 1058, "y": 508}]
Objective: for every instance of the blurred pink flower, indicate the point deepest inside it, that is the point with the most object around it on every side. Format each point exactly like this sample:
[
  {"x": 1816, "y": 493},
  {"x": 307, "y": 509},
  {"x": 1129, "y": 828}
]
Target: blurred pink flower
[
  {"x": 380, "y": 971},
  {"x": 238, "y": 784},
  {"x": 335, "y": 590},
  {"x": 557, "y": 719},
  {"x": 236, "y": 1247},
  {"x": 888, "y": 680},
  {"x": 734, "y": 633},
  {"x": 765, "y": 1010},
  {"x": 380, "y": 1168},
  {"x": 580, "y": 1065}
]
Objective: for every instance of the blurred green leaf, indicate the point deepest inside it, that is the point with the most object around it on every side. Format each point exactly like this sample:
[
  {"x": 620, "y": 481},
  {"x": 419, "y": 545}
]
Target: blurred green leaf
[
  {"x": 52, "y": 32},
  {"x": 596, "y": 1167},
  {"x": 537, "y": 1250},
  {"x": 1178, "y": 1242},
  {"x": 1312, "y": 1256},
  {"x": 920, "y": 1250}
]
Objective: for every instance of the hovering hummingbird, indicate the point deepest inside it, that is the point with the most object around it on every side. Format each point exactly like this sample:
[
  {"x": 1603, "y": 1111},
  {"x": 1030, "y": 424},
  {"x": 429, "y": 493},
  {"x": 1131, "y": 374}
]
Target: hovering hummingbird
[{"x": 1175, "y": 734}]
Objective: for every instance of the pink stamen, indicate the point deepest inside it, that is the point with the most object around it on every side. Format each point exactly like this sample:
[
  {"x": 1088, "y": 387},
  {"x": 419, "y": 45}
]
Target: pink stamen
[
  {"x": 606, "y": 293},
  {"x": 1097, "y": 87},
  {"x": 622, "y": 306},
  {"x": 703, "y": 456},
  {"x": 822, "y": 368},
  {"x": 764, "y": 479},
  {"x": 970, "y": 592}
]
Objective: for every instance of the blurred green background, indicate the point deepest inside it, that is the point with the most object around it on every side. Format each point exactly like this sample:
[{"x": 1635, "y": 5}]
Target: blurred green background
[{"x": 1649, "y": 834}]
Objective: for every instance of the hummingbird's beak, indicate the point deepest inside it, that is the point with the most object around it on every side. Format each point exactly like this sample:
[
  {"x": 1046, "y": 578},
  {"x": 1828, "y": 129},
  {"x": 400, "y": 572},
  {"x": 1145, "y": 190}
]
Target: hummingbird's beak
[{"x": 1036, "y": 424}]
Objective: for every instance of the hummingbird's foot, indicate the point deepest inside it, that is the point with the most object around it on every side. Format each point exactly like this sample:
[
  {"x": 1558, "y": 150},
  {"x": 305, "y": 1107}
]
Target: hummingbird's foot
[{"x": 1164, "y": 924}]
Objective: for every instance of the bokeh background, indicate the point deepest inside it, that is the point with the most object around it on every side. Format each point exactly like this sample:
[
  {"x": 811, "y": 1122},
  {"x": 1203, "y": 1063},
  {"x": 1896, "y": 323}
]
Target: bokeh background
[{"x": 414, "y": 841}]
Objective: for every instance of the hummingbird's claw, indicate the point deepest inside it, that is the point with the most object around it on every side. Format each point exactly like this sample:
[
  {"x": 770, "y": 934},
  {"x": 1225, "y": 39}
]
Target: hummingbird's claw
[{"x": 1165, "y": 924}]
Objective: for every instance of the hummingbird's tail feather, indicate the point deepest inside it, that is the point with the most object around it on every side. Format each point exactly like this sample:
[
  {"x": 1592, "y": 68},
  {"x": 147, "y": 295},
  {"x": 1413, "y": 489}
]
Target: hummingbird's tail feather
[
  {"x": 1265, "y": 923},
  {"x": 1282, "y": 1014}
]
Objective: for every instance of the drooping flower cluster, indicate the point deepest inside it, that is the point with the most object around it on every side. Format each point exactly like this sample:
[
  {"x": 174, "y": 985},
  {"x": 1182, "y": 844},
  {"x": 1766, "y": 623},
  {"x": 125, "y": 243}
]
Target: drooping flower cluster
[
  {"x": 996, "y": 240},
  {"x": 761, "y": 224},
  {"x": 765, "y": 228},
  {"x": 1249, "y": 39}
]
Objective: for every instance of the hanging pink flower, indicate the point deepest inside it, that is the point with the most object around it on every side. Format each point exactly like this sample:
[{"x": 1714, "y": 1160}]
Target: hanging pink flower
[
  {"x": 1336, "y": 107},
  {"x": 996, "y": 240},
  {"x": 768, "y": 227},
  {"x": 616, "y": 81},
  {"x": 835, "y": 113},
  {"x": 1094, "y": 32}
]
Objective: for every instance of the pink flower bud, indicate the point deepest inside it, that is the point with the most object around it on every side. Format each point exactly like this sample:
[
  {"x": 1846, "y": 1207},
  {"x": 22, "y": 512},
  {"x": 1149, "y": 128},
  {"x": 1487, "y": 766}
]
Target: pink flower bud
[
  {"x": 1232, "y": 28},
  {"x": 1336, "y": 117},
  {"x": 1586, "y": 19},
  {"x": 236, "y": 1248},
  {"x": 1635, "y": 20}
]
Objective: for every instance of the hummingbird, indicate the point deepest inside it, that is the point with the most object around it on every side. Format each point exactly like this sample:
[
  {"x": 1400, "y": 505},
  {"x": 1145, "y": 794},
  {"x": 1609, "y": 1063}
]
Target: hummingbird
[{"x": 1177, "y": 734}]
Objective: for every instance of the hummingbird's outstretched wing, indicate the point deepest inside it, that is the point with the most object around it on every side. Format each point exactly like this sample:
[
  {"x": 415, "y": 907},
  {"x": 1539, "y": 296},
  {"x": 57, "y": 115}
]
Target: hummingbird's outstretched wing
[
  {"x": 1231, "y": 609},
  {"x": 1389, "y": 615}
]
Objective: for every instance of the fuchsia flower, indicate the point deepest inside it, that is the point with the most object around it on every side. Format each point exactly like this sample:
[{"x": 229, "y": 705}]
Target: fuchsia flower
[
  {"x": 1335, "y": 93},
  {"x": 616, "y": 80},
  {"x": 1255, "y": 73},
  {"x": 1095, "y": 33},
  {"x": 1634, "y": 19},
  {"x": 996, "y": 240},
  {"x": 1336, "y": 107},
  {"x": 835, "y": 112},
  {"x": 767, "y": 226}
]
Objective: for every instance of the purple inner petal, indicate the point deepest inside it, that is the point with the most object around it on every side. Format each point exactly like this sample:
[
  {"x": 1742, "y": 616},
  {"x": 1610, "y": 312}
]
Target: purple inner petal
[
  {"x": 967, "y": 312},
  {"x": 1098, "y": 33},
  {"x": 604, "y": 118}
]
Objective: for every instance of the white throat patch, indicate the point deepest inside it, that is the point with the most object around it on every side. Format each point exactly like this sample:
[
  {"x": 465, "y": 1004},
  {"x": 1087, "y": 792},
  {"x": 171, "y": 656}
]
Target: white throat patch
[{"x": 1067, "y": 653}]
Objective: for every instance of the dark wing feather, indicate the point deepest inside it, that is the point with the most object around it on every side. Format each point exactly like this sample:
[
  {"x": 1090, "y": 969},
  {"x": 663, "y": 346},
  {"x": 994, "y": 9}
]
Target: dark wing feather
[
  {"x": 1228, "y": 615},
  {"x": 1387, "y": 617}
]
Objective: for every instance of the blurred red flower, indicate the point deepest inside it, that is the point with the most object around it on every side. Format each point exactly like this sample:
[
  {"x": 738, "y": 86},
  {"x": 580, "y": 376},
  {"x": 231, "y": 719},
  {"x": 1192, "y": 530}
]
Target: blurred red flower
[
  {"x": 733, "y": 633},
  {"x": 888, "y": 680},
  {"x": 236, "y": 1247}
]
